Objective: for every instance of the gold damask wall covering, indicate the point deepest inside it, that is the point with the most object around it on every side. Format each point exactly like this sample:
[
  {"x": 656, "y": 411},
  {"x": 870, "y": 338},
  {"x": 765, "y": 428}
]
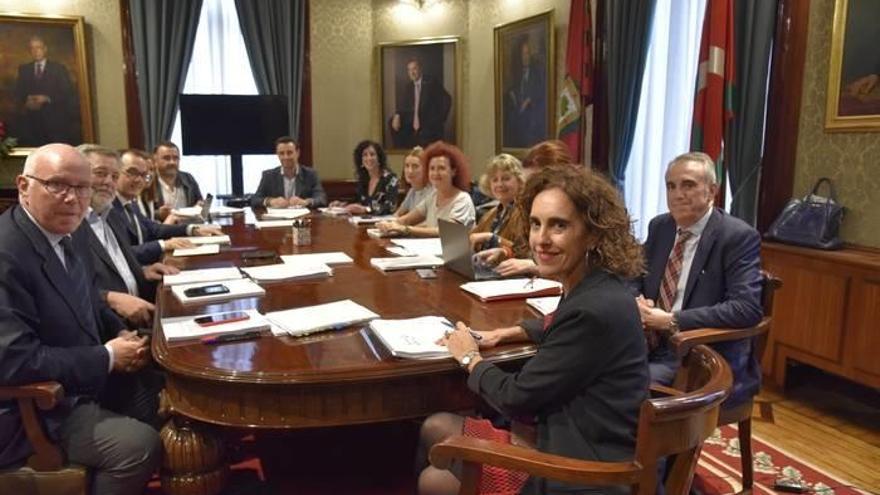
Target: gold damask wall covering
[{"x": 852, "y": 160}]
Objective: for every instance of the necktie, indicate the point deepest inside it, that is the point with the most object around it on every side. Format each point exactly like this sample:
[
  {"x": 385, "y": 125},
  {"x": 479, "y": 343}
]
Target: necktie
[
  {"x": 81, "y": 294},
  {"x": 38, "y": 70},
  {"x": 416, "y": 123},
  {"x": 132, "y": 217},
  {"x": 669, "y": 286},
  {"x": 548, "y": 320}
]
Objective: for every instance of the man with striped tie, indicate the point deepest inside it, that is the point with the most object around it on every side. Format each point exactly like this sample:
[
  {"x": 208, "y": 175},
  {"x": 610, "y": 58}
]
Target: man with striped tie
[
  {"x": 703, "y": 270},
  {"x": 51, "y": 322}
]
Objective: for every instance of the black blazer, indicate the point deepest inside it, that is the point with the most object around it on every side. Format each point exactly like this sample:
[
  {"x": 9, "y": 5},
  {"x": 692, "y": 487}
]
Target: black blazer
[
  {"x": 42, "y": 336},
  {"x": 586, "y": 382},
  {"x": 108, "y": 276},
  {"x": 148, "y": 251},
  {"x": 307, "y": 184}
]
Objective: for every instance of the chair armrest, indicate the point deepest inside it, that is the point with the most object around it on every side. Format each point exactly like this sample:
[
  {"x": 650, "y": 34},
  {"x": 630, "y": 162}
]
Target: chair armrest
[
  {"x": 45, "y": 394},
  {"x": 686, "y": 340},
  {"x": 533, "y": 462},
  {"x": 658, "y": 390}
]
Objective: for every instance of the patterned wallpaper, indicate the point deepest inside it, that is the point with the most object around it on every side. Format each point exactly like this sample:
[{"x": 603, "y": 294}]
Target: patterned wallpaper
[
  {"x": 345, "y": 96},
  {"x": 850, "y": 159},
  {"x": 104, "y": 47}
]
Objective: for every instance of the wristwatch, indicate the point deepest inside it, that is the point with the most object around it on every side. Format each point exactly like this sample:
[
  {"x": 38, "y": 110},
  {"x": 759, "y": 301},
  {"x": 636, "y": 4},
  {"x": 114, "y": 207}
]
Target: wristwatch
[
  {"x": 673, "y": 324},
  {"x": 467, "y": 358}
]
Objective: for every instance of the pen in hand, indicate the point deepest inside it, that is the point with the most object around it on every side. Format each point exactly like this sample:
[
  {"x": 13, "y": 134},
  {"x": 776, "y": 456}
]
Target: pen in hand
[{"x": 474, "y": 334}]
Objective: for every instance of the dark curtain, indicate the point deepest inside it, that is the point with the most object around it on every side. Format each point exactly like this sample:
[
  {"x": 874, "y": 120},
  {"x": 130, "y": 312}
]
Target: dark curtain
[
  {"x": 628, "y": 32},
  {"x": 274, "y": 35},
  {"x": 163, "y": 32},
  {"x": 754, "y": 25}
]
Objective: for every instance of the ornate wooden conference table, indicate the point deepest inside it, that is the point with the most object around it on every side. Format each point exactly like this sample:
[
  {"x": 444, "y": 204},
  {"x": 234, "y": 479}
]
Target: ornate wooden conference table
[{"x": 340, "y": 377}]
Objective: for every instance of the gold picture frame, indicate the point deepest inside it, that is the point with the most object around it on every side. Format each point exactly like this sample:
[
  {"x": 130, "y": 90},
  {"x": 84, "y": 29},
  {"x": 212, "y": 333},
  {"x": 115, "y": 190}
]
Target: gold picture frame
[
  {"x": 853, "y": 102},
  {"x": 525, "y": 83},
  {"x": 439, "y": 75},
  {"x": 51, "y": 103}
]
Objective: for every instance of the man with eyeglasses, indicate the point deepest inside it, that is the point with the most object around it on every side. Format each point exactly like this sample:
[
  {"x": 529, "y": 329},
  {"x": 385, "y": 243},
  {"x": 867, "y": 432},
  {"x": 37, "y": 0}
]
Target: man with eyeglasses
[
  {"x": 51, "y": 322},
  {"x": 149, "y": 238}
]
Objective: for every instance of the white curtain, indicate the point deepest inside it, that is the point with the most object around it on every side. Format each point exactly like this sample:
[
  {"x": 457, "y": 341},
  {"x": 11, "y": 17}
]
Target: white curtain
[
  {"x": 666, "y": 107},
  {"x": 220, "y": 66}
]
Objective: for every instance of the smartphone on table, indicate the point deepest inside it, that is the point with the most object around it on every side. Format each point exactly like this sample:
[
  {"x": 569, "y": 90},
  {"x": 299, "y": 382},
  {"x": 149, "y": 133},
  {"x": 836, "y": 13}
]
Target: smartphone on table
[
  {"x": 206, "y": 290},
  {"x": 221, "y": 318}
]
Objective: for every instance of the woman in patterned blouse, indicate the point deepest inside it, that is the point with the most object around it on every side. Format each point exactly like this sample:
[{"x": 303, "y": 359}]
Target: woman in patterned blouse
[{"x": 377, "y": 185}]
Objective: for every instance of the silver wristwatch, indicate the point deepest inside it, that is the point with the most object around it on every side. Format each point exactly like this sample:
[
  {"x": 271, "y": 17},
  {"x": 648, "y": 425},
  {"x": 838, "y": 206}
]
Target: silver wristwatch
[{"x": 467, "y": 358}]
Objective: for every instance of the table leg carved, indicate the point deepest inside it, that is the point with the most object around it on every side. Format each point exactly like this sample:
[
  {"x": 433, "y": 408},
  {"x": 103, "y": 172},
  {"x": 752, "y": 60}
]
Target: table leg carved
[{"x": 194, "y": 461}]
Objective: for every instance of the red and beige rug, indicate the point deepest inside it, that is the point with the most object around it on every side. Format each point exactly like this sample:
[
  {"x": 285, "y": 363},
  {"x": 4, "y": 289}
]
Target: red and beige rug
[{"x": 718, "y": 471}]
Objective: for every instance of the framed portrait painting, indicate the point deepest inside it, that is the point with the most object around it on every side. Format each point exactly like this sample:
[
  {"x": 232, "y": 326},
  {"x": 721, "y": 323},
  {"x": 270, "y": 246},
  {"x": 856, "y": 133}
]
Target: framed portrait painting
[
  {"x": 854, "y": 79},
  {"x": 419, "y": 85},
  {"x": 524, "y": 83},
  {"x": 44, "y": 86}
]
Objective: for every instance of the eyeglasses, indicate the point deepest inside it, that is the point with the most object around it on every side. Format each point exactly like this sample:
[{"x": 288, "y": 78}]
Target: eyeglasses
[
  {"x": 62, "y": 188},
  {"x": 103, "y": 174},
  {"x": 137, "y": 174}
]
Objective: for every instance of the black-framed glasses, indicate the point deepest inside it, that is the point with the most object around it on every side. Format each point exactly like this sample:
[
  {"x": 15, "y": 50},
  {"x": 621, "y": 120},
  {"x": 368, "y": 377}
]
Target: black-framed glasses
[
  {"x": 137, "y": 174},
  {"x": 62, "y": 188}
]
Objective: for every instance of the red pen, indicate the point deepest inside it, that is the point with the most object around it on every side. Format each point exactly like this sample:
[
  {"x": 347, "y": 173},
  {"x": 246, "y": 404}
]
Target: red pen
[{"x": 235, "y": 337}]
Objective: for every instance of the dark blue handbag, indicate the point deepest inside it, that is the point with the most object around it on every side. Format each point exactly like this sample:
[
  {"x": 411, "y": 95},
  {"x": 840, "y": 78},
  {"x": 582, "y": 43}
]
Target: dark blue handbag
[{"x": 812, "y": 221}]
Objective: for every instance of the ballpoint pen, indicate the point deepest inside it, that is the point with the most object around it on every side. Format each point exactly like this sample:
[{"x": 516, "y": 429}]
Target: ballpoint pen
[
  {"x": 474, "y": 334},
  {"x": 530, "y": 284}
]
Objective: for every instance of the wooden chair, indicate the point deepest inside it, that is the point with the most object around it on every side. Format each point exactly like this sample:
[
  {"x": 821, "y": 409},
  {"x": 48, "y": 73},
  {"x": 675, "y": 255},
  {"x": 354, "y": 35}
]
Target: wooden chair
[
  {"x": 683, "y": 342},
  {"x": 45, "y": 471},
  {"x": 672, "y": 425}
]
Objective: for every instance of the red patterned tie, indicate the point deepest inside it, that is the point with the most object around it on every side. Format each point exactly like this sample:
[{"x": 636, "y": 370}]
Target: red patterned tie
[{"x": 669, "y": 286}]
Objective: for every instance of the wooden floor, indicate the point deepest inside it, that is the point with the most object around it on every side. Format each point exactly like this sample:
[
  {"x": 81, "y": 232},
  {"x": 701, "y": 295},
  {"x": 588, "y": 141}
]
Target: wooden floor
[{"x": 828, "y": 422}]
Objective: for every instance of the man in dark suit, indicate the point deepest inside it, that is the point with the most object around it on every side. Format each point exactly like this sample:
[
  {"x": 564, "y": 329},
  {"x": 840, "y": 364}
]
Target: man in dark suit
[
  {"x": 51, "y": 322},
  {"x": 525, "y": 118},
  {"x": 422, "y": 109},
  {"x": 49, "y": 105},
  {"x": 174, "y": 188},
  {"x": 149, "y": 238},
  {"x": 290, "y": 185},
  {"x": 703, "y": 271}
]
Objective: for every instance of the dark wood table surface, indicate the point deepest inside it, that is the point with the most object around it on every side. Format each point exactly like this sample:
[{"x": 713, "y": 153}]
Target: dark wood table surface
[{"x": 332, "y": 378}]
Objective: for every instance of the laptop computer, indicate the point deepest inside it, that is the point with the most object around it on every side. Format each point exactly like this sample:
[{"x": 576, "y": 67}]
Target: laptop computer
[
  {"x": 204, "y": 214},
  {"x": 457, "y": 253}
]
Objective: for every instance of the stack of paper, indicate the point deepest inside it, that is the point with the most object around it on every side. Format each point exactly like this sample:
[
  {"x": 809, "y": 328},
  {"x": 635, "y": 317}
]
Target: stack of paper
[
  {"x": 183, "y": 328},
  {"x": 286, "y": 213},
  {"x": 242, "y": 287},
  {"x": 271, "y": 224},
  {"x": 209, "y": 239},
  {"x": 544, "y": 305},
  {"x": 512, "y": 288},
  {"x": 377, "y": 234},
  {"x": 367, "y": 219},
  {"x": 405, "y": 262},
  {"x": 198, "y": 250},
  {"x": 203, "y": 275},
  {"x": 188, "y": 211},
  {"x": 287, "y": 271},
  {"x": 221, "y": 210},
  {"x": 413, "y": 338},
  {"x": 420, "y": 247},
  {"x": 334, "y": 211},
  {"x": 332, "y": 258},
  {"x": 311, "y": 319}
]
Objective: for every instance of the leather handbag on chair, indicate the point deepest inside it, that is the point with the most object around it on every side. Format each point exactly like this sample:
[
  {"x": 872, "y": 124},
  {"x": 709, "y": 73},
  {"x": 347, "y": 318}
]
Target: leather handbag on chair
[{"x": 812, "y": 221}]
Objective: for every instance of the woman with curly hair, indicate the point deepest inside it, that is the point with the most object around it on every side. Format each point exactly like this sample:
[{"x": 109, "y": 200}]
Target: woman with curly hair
[
  {"x": 584, "y": 385},
  {"x": 445, "y": 168},
  {"x": 504, "y": 225},
  {"x": 376, "y": 183}
]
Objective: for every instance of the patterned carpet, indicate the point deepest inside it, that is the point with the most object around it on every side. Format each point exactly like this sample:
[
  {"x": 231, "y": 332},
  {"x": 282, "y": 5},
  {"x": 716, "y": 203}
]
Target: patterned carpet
[{"x": 718, "y": 471}]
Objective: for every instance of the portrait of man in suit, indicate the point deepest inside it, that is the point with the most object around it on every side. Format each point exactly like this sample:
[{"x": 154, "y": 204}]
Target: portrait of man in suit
[
  {"x": 418, "y": 91},
  {"x": 46, "y": 100}
]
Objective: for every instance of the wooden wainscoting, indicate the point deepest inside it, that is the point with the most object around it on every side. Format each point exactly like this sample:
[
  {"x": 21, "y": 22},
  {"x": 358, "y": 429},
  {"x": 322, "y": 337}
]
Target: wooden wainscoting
[{"x": 827, "y": 312}]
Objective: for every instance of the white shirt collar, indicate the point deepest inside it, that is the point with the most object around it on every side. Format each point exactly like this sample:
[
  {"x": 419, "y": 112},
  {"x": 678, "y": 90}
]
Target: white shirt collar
[{"x": 698, "y": 228}]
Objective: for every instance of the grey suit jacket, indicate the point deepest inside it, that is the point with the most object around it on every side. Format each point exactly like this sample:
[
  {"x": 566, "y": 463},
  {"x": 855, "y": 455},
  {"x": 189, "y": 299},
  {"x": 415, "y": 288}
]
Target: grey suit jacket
[
  {"x": 306, "y": 182},
  {"x": 42, "y": 336}
]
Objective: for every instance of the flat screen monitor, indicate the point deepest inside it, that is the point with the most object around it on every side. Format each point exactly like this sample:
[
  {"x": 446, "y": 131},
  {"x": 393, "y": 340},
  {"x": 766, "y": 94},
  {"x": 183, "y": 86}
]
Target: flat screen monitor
[{"x": 232, "y": 124}]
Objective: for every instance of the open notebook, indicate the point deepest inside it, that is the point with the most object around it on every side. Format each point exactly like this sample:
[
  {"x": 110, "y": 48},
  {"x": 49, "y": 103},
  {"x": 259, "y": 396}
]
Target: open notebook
[
  {"x": 413, "y": 338},
  {"x": 512, "y": 288}
]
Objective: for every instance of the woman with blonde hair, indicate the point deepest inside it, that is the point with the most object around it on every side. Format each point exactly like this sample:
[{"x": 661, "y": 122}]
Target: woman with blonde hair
[
  {"x": 419, "y": 188},
  {"x": 504, "y": 225}
]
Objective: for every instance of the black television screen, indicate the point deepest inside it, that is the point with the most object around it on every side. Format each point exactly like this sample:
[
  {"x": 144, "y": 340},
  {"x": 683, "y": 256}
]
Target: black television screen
[{"x": 232, "y": 124}]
